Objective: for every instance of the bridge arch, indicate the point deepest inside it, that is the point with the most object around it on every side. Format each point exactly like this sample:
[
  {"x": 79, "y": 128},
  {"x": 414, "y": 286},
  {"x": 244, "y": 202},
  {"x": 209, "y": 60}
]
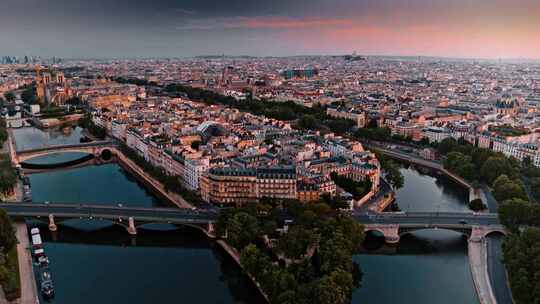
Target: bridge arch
[
  {"x": 495, "y": 232},
  {"x": 95, "y": 148},
  {"x": 463, "y": 231}
]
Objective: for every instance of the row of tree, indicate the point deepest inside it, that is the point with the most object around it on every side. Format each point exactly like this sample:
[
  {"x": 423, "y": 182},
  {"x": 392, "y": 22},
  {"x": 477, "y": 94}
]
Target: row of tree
[
  {"x": 317, "y": 248},
  {"x": 3, "y": 132},
  {"x": 9, "y": 266},
  {"x": 480, "y": 165},
  {"x": 522, "y": 218},
  {"x": 87, "y": 123},
  {"x": 170, "y": 183},
  {"x": 8, "y": 176}
]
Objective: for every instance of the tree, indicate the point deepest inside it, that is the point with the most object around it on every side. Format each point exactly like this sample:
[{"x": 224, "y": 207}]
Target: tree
[
  {"x": 521, "y": 252},
  {"x": 195, "y": 145},
  {"x": 505, "y": 189},
  {"x": 393, "y": 175},
  {"x": 307, "y": 122},
  {"x": 7, "y": 233},
  {"x": 514, "y": 213},
  {"x": 494, "y": 166},
  {"x": 295, "y": 242},
  {"x": 447, "y": 145},
  {"x": 253, "y": 260},
  {"x": 29, "y": 95},
  {"x": 242, "y": 229},
  {"x": 10, "y": 96},
  {"x": 477, "y": 205}
]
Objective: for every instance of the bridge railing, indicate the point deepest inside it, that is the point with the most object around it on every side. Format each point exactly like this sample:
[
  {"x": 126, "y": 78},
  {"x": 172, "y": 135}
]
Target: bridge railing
[{"x": 80, "y": 145}]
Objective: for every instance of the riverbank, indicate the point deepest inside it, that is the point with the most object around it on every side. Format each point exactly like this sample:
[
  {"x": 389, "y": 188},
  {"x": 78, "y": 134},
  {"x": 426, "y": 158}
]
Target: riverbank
[
  {"x": 236, "y": 257},
  {"x": 54, "y": 122},
  {"x": 26, "y": 271},
  {"x": 479, "y": 271},
  {"x": 474, "y": 193},
  {"x": 148, "y": 180}
]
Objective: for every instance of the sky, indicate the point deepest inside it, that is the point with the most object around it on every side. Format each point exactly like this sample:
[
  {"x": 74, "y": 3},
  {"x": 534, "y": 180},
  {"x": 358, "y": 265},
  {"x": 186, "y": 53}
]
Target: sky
[{"x": 183, "y": 28}]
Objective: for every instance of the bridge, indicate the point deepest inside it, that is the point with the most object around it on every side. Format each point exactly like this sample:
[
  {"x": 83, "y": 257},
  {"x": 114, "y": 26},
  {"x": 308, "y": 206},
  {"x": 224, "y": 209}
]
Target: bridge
[
  {"x": 474, "y": 225},
  {"x": 128, "y": 217},
  {"x": 95, "y": 148}
]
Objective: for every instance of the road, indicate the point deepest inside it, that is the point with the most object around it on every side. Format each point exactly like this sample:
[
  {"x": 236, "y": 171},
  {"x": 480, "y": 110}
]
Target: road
[
  {"x": 442, "y": 218},
  {"x": 173, "y": 215},
  {"x": 177, "y": 215},
  {"x": 490, "y": 200},
  {"x": 497, "y": 271}
]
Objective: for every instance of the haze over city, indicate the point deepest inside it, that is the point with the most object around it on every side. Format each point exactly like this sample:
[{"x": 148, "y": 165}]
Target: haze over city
[{"x": 167, "y": 28}]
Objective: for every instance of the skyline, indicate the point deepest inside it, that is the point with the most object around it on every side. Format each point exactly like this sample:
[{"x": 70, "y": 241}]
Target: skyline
[{"x": 166, "y": 28}]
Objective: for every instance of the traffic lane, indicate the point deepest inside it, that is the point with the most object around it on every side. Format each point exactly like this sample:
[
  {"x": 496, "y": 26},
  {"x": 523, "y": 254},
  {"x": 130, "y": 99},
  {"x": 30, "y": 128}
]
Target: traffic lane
[
  {"x": 118, "y": 212},
  {"x": 497, "y": 270}
]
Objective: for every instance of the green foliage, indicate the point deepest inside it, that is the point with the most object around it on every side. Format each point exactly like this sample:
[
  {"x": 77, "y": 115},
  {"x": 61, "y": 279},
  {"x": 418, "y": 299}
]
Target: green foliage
[
  {"x": 307, "y": 122},
  {"x": 8, "y": 176},
  {"x": 87, "y": 123},
  {"x": 532, "y": 177},
  {"x": 7, "y": 233},
  {"x": 505, "y": 189},
  {"x": 242, "y": 229},
  {"x": 508, "y": 130},
  {"x": 521, "y": 256},
  {"x": 295, "y": 243},
  {"x": 3, "y": 132},
  {"x": 497, "y": 165},
  {"x": 195, "y": 145},
  {"x": 9, "y": 274},
  {"x": 10, "y": 96},
  {"x": 380, "y": 134},
  {"x": 29, "y": 95},
  {"x": 329, "y": 276},
  {"x": 9, "y": 267},
  {"x": 393, "y": 175},
  {"x": 477, "y": 205},
  {"x": 170, "y": 183},
  {"x": 357, "y": 189},
  {"x": 478, "y": 164},
  {"x": 516, "y": 212},
  {"x": 313, "y": 118},
  {"x": 460, "y": 164}
]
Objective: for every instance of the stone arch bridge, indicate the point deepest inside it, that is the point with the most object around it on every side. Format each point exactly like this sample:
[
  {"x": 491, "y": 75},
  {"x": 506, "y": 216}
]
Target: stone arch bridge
[
  {"x": 475, "y": 226},
  {"x": 129, "y": 217},
  {"x": 94, "y": 148}
]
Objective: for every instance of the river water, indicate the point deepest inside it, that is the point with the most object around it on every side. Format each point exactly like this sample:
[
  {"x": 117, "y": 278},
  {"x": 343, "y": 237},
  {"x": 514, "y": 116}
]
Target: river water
[
  {"x": 34, "y": 138},
  {"x": 428, "y": 266},
  {"x": 99, "y": 263},
  {"x": 425, "y": 190},
  {"x": 94, "y": 262}
]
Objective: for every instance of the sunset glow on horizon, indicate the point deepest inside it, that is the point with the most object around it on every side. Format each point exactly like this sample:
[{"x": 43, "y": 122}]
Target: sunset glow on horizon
[{"x": 459, "y": 28}]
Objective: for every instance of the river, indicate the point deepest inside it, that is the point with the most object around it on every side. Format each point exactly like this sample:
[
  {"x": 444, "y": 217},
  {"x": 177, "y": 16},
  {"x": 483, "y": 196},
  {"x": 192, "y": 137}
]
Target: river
[
  {"x": 33, "y": 138},
  {"x": 99, "y": 263},
  {"x": 425, "y": 190},
  {"x": 94, "y": 262},
  {"x": 428, "y": 266}
]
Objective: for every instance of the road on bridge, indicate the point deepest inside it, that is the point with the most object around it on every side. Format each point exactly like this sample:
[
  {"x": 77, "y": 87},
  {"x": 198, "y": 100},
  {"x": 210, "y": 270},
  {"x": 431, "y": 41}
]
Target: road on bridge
[
  {"x": 429, "y": 218},
  {"x": 110, "y": 212}
]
